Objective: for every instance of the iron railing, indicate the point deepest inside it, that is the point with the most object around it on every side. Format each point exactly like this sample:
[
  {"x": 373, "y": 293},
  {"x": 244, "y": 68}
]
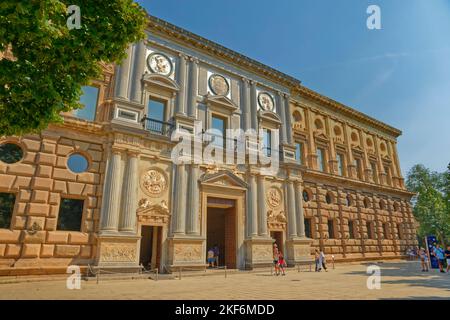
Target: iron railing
[{"x": 157, "y": 126}]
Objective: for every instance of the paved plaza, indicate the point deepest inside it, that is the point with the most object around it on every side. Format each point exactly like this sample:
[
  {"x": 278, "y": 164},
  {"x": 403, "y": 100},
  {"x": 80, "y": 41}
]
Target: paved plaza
[{"x": 399, "y": 280}]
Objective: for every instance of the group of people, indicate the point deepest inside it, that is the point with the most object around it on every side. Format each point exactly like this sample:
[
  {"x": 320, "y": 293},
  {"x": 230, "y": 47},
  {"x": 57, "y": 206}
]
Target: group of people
[
  {"x": 442, "y": 256},
  {"x": 213, "y": 256},
  {"x": 320, "y": 260},
  {"x": 278, "y": 261}
]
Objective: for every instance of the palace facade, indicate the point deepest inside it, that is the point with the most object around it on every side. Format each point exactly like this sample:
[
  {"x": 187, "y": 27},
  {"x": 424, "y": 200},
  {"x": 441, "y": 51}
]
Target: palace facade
[{"x": 103, "y": 190}]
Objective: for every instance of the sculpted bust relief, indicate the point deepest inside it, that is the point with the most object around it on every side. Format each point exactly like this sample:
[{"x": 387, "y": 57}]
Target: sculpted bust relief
[
  {"x": 219, "y": 85},
  {"x": 160, "y": 63}
]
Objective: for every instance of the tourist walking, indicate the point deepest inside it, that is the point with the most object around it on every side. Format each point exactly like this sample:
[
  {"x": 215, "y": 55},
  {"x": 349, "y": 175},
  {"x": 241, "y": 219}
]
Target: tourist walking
[
  {"x": 210, "y": 258},
  {"x": 275, "y": 258},
  {"x": 216, "y": 254},
  {"x": 317, "y": 260},
  {"x": 439, "y": 253},
  {"x": 281, "y": 263},
  {"x": 423, "y": 259},
  {"x": 323, "y": 260}
]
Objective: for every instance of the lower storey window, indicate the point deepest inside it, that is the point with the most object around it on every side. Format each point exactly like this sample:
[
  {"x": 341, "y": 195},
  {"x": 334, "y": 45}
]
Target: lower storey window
[
  {"x": 70, "y": 214},
  {"x": 330, "y": 229},
  {"x": 308, "y": 232},
  {"x": 7, "y": 201}
]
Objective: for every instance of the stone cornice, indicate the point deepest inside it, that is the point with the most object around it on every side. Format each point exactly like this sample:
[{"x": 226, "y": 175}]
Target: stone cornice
[
  {"x": 219, "y": 51},
  {"x": 350, "y": 112}
]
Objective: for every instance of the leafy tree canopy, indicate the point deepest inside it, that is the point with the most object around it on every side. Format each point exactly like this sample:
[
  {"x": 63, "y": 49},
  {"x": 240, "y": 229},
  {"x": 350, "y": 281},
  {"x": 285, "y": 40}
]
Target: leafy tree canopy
[
  {"x": 51, "y": 62},
  {"x": 432, "y": 203}
]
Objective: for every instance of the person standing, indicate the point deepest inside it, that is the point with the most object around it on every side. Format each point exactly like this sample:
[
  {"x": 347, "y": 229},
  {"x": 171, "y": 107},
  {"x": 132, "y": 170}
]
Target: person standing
[
  {"x": 447, "y": 257},
  {"x": 317, "y": 260},
  {"x": 216, "y": 254},
  {"x": 323, "y": 260},
  {"x": 210, "y": 258},
  {"x": 281, "y": 263},
  {"x": 423, "y": 259},
  {"x": 275, "y": 258},
  {"x": 439, "y": 253}
]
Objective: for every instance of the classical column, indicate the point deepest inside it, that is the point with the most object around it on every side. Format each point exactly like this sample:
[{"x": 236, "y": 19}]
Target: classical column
[
  {"x": 299, "y": 210},
  {"x": 252, "y": 215},
  {"x": 193, "y": 201},
  {"x": 138, "y": 70},
  {"x": 312, "y": 152},
  {"x": 123, "y": 75},
  {"x": 333, "y": 164},
  {"x": 282, "y": 114},
  {"x": 292, "y": 224},
  {"x": 179, "y": 222},
  {"x": 129, "y": 194},
  {"x": 287, "y": 120},
  {"x": 351, "y": 166},
  {"x": 262, "y": 212},
  {"x": 193, "y": 87},
  {"x": 253, "y": 106},
  {"x": 366, "y": 163},
  {"x": 111, "y": 193},
  {"x": 182, "y": 65},
  {"x": 246, "y": 118}
]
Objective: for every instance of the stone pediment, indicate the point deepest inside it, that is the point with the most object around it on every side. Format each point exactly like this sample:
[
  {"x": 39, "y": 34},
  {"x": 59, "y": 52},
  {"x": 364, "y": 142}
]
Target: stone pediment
[
  {"x": 221, "y": 101},
  {"x": 223, "y": 178},
  {"x": 161, "y": 81},
  {"x": 146, "y": 208},
  {"x": 321, "y": 135},
  {"x": 269, "y": 116}
]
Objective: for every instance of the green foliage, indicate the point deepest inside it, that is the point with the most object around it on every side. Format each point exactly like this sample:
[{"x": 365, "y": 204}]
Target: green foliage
[
  {"x": 431, "y": 205},
  {"x": 51, "y": 62}
]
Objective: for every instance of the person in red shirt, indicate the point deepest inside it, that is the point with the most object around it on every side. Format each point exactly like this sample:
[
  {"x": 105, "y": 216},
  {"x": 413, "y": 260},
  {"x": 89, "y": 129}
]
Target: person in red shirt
[{"x": 281, "y": 262}]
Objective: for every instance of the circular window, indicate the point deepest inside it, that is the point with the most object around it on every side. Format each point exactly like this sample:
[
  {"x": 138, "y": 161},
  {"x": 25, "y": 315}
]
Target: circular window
[
  {"x": 305, "y": 195},
  {"x": 318, "y": 124},
  {"x": 337, "y": 131},
  {"x": 297, "y": 116},
  {"x": 329, "y": 198},
  {"x": 369, "y": 142},
  {"x": 10, "y": 153},
  {"x": 354, "y": 137},
  {"x": 77, "y": 163}
]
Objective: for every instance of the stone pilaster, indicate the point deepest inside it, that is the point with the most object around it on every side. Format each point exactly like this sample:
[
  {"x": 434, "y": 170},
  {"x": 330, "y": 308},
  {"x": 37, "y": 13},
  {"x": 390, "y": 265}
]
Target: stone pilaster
[
  {"x": 193, "y": 75},
  {"x": 138, "y": 70},
  {"x": 262, "y": 211},
  {"x": 123, "y": 75},
  {"x": 252, "y": 207},
  {"x": 299, "y": 210},
  {"x": 246, "y": 113},
  {"x": 179, "y": 220},
  {"x": 181, "y": 99},
  {"x": 111, "y": 194},
  {"x": 282, "y": 114},
  {"x": 292, "y": 223},
  {"x": 287, "y": 120},
  {"x": 193, "y": 201},
  {"x": 253, "y": 106},
  {"x": 127, "y": 221}
]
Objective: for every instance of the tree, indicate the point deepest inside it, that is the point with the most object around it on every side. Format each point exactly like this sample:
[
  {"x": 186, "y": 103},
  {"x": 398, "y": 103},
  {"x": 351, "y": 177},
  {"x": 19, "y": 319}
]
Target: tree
[
  {"x": 51, "y": 61},
  {"x": 431, "y": 205}
]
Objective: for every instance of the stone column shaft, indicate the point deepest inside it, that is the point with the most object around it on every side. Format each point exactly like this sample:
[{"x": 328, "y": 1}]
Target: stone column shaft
[
  {"x": 193, "y": 88},
  {"x": 179, "y": 226},
  {"x": 246, "y": 121},
  {"x": 252, "y": 215},
  {"x": 181, "y": 101},
  {"x": 262, "y": 212},
  {"x": 299, "y": 210},
  {"x": 111, "y": 194},
  {"x": 287, "y": 120},
  {"x": 281, "y": 113},
  {"x": 253, "y": 106},
  {"x": 292, "y": 223},
  {"x": 138, "y": 70},
  {"x": 193, "y": 201},
  {"x": 123, "y": 75},
  {"x": 129, "y": 195}
]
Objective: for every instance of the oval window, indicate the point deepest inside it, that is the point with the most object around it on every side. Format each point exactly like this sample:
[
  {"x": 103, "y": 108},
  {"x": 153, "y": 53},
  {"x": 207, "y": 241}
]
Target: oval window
[
  {"x": 328, "y": 198},
  {"x": 10, "y": 153},
  {"x": 77, "y": 163},
  {"x": 305, "y": 195}
]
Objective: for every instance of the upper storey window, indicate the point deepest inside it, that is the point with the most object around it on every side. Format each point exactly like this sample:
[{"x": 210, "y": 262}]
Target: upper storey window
[
  {"x": 219, "y": 126},
  {"x": 155, "y": 116},
  {"x": 267, "y": 142},
  {"x": 299, "y": 152},
  {"x": 321, "y": 159},
  {"x": 388, "y": 175},
  {"x": 358, "y": 167},
  {"x": 89, "y": 99},
  {"x": 340, "y": 160},
  {"x": 373, "y": 165}
]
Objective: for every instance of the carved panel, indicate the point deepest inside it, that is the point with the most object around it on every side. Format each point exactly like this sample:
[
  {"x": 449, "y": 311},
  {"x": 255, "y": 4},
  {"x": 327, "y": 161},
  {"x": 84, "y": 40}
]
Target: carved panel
[
  {"x": 187, "y": 252},
  {"x": 118, "y": 252},
  {"x": 153, "y": 182},
  {"x": 262, "y": 252}
]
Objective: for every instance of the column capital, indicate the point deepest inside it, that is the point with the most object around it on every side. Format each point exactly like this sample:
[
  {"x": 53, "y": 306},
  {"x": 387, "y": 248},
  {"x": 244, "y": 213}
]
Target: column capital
[
  {"x": 193, "y": 59},
  {"x": 133, "y": 153},
  {"x": 183, "y": 56},
  {"x": 117, "y": 150},
  {"x": 245, "y": 80}
]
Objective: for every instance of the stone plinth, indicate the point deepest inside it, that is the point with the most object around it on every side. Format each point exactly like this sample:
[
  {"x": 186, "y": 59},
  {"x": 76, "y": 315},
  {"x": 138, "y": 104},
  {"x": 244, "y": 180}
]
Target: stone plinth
[
  {"x": 259, "y": 252},
  {"x": 298, "y": 251}
]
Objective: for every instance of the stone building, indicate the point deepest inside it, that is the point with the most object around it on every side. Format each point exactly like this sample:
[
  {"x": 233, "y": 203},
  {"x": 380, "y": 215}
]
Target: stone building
[{"x": 102, "y": 189}]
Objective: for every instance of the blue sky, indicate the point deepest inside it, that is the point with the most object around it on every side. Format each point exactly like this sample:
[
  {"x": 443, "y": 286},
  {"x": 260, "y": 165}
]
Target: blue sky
[{"x": 399, "y": 74}]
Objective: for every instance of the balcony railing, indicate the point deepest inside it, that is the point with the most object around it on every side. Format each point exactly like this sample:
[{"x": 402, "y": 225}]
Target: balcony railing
[{"x": 157, "y": 126}]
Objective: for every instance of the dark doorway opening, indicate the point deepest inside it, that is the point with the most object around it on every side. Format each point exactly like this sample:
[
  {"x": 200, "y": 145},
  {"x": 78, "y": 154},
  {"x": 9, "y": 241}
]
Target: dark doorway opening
[
  {"x": 278, "y": 237},
  {"x": 221, "y": 230},
  {"x": 150, "y": 253}
]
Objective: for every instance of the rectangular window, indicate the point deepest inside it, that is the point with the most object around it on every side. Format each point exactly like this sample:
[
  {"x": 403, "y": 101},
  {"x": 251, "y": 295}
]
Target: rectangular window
[
  {"x": 156, "y": 111},
  {"x": 399, "y": 231},
  {"x": 330, "y": 229},
  {"x": 357, "y": 164},
  {"x": 386, "y": 231},
  {"x": 340, "y": 160},
  {"x": 369, "y": 230},
  {"x": 373, "y": 165},
  {"x": 89, "y": 99},
  {"x": 299, "y": 152},
  {"x": 219, "y": 126},
  {"x": 267, "y": 142},
  {"x": 351, "y": 229},
  {"x": 70, "y": 214},
  {"x": 388, "y": 175},
  {"x": 321, "y": 159},
  {"x": 308, "y": 231},
  {"x": 7, "y": 201}
]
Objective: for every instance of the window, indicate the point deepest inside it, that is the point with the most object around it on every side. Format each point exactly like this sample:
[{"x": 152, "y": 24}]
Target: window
[
  {"x": 321, "y": 159},
  {"x": 330, "y": 229},
  {"x": 218, "y": 124},
  {"x": 156, "y": 111},
  {"x": 340, "y": 160},
  {"x": 267, "y": 142},
  {"x": 70, "y": 214},
  {"x": 77, "y": 163},
  {"x": 382, "y": 205},
  {"x": 366, "y": 203},
  {"x": 299, "y": 152},
  {"x": 399, "y": 231},
  {"x": 369, "y": 230},
  {"x": 308, "y": 230},
  {"x": 305, "y": 195},
  {"x": 329, "y": 198},
  {"x": 351, "y": 230},
  {"x": 388, "y": 174},
  {"x": 10, "y": 153},
  {"x": 7, "y": 201},
  {"x": 373, "y": 165},
  {"x": 386, "y": 230},
  {"x": 349, "y": 200},
  {"x": 357, "y": 164},
  {"x": 89, "y": 100}
]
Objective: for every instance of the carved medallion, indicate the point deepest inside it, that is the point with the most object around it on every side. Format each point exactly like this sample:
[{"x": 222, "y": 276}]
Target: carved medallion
[
  {"x": 154, "y": 182},
  {"x": 219, "y": 85},
  {"x": 160, "y": 63},
  {"x": 273, "y": 197},
  {"x": 265, "y": 101}
]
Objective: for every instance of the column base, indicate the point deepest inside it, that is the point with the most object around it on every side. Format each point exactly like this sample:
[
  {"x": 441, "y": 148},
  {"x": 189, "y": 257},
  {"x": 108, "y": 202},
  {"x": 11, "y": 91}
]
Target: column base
[
  {"x": 298, "y": 251},
  {"x": 259, "y": 252},
  {"x": 117, "y": 252},
  {"x": 186, "y": 251}
]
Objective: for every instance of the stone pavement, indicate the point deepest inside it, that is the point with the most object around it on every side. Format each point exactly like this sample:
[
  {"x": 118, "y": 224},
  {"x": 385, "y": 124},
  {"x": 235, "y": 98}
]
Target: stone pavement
[{"x": 400, "y": 280}]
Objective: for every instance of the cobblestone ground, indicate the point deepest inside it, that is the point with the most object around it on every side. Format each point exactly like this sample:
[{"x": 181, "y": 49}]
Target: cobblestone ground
[{"x": 400, "y": 280}]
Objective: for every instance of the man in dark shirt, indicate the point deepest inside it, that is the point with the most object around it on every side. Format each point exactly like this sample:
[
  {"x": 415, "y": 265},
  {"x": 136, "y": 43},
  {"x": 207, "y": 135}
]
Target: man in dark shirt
[{"x": 447, "y": 257}]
